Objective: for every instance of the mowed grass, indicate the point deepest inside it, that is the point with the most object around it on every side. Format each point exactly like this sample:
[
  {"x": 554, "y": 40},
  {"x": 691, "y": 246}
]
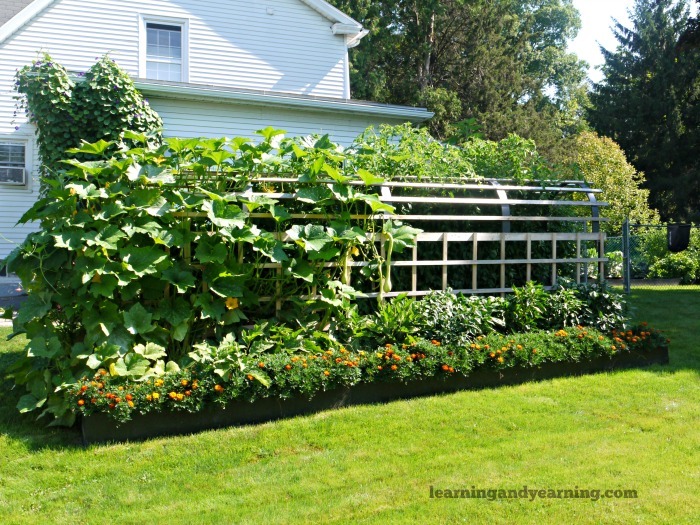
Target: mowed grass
[{"x": 633, "y": 429}]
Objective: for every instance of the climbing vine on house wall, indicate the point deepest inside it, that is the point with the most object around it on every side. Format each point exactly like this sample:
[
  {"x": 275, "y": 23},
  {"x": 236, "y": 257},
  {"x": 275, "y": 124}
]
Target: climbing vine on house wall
[{"x": 67, "y": 108}]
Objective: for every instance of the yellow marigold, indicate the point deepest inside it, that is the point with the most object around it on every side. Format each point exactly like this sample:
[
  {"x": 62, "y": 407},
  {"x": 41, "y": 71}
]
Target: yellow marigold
[
  {"x": 184, "y": 382},
  {"x": 155, "y": 396},
  {"x": 158, "y": 382},
  {"x": 218, "y": 388},
  {"x": 326, "y": 373},
  {"x": 130, "y": 403},
  {"x": 500, "y": 359},
  {"x": 231, "y": 303}
]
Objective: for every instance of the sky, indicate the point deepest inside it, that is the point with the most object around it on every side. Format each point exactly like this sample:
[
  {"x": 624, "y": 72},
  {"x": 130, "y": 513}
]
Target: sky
[{"x": 596, "y": 19}]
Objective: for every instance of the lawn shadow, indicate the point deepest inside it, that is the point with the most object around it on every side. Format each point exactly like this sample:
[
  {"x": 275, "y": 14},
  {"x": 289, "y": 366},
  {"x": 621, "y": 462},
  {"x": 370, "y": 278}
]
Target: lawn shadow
[{"x": 25, "y": 428}]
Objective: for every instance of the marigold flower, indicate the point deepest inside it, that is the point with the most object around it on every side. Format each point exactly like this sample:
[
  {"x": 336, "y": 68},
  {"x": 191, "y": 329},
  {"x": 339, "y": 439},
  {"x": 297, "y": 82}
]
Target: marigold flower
[
  {"x": 128, "y": 397},
  {"x": 184, "y": 382},
  {"x": 173, "y": 396},
  {"x": 231, "y": 303},
  {"x": 492, "y": 354},
  {"x": 436, "y": 342},
  {"x": 155, "y": 396},
  {"x": 534, "y": 350},
  {"x": 500, "y": 359},
  {"x": 445, "y": 367},
  {"x": 149, "y": 397},
  {"x": 158, "y": 382},
  {"x": 394, "y": 367},
  {"x": 287, "y": 367},
  {"x": 261, "y": 365},
  {"x": 379, "y": 367},
  {"x": 218, "y": 388},
  {"x": 130, "y": 403},
  {"x": 83, "y": 388},
  {"x": 248, "y": 377},
  {"x": 188, "y": 393},
  {"x": 81, "y": 402},
  {"x": 326, "y": 373}
]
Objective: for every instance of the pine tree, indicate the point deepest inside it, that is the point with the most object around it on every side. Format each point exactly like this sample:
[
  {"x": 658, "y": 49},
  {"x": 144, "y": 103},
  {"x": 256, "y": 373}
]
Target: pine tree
[{"x": 642, "y": 101}]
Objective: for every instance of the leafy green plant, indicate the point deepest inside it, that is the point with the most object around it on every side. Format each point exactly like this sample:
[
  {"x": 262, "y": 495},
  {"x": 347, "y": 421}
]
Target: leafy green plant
[
  {"x": 395, "y": 321},
  {"x": 99, "y": 104},
  {"x": 230, "y": 371},
  {"x": 684, "y": 265},
  {"x": 457, "y": 319},
  {"x": 526, "y": 308},
  {"x": 603, "y": 308},
  {"x": 131, "y": 253}
]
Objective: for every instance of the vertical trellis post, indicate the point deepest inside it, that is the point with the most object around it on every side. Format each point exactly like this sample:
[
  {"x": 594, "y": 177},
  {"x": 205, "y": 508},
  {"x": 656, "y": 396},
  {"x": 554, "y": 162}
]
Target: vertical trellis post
[
  {"x": 528, "y": 256},
  {"x": 578, "y": 256},
  {"x": 414, "y": 269},
  {"x": 554, "y": 258},
  {"x": 445, "y": 251},
  {"x": 503, "y": 263},
  {"x": 475, "y": 252}
]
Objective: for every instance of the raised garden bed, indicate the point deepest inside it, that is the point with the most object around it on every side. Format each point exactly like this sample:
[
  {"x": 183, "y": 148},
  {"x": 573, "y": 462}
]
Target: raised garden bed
[{"x": 100, "y": 428}]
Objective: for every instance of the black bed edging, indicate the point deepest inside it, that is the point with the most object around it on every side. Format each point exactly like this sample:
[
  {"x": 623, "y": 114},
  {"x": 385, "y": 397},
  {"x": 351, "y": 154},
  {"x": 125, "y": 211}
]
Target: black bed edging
[{"x": 100, "y": 428}]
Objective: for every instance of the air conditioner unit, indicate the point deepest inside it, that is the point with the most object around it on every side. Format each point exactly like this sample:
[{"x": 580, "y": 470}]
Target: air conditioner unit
[{"x": 13, "y": 176}]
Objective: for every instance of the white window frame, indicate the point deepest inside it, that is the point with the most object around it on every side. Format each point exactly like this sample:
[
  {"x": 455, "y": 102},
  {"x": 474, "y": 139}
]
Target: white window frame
[
  {"x": 29, "y": 174},
  {"x": 184, "y": 25}
]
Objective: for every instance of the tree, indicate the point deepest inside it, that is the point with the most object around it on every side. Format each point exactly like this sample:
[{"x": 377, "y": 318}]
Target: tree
[
  {"x": 647, "y": 103},
  {"x": 603, "y": 164},
  {"x": 503, "y": 63}
]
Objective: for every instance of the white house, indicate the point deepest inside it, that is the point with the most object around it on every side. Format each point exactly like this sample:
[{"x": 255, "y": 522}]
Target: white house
[{"x": 208, "y": 67}]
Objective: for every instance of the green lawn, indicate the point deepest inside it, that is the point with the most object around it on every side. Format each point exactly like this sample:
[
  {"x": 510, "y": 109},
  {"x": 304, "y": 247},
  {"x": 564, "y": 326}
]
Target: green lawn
[{"x": 636, "y": 429}]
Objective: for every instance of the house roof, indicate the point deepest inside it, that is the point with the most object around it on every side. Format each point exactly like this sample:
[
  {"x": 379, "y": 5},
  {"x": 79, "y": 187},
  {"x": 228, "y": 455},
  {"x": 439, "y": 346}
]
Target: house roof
[
  {"x": 14, "y": 14},
  {"x": 10, "y": 8},
  {"x": 184, "y": 91}
]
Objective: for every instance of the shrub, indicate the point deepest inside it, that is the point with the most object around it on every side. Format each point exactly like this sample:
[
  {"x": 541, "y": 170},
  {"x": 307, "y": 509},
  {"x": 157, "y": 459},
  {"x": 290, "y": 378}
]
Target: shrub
[
  {"x": 684, "y": 265},
  {"x": 603, "y": 308},
  {"x": 456, "y": 319}
]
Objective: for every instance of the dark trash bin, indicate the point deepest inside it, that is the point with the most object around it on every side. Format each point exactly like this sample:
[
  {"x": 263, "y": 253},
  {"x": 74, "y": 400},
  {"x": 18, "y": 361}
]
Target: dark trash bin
[{"x": 678, "y": 237}]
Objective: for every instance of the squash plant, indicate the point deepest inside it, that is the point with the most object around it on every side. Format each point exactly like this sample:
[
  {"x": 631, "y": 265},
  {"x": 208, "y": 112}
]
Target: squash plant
[{"x": 151, "y": 251}]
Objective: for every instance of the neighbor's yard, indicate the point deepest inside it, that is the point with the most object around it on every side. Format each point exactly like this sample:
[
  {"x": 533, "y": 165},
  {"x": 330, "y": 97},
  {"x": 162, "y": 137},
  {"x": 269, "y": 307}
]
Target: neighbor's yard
[{"x": 637, "y": 429}]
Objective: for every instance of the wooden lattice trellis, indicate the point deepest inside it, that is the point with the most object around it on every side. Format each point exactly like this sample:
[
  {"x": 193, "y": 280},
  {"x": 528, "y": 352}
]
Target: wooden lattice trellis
[{"x": 583, "y": 231}]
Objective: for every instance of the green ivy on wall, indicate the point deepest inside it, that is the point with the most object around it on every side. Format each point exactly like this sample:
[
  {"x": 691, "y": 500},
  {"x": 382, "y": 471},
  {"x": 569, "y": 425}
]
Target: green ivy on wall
[{"x": 67, "y": 108}]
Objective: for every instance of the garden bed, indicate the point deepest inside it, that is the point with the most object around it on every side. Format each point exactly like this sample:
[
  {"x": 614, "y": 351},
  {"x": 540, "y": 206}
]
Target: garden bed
[{"x": 100, "y": 428}]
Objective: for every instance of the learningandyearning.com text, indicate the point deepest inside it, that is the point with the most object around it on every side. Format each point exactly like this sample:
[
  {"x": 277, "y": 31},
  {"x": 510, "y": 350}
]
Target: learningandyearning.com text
[{"x": 532, "y": 494}]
